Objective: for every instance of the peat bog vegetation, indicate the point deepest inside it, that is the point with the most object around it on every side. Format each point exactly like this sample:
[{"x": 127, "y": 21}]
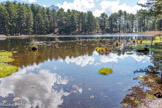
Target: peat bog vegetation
[{"x": 62, "y": 70}]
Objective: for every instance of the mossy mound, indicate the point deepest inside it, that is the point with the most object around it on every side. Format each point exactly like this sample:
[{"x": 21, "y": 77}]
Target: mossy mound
[
  {"x": 98, "y": 49},
  {"x": 7, "y": 70},
  {"x": 103, "y": 50},
  {"x": 142, "y": 48},
  {"x": 6, "y": 57},
  {"x": 157, "y": 39},
  {"x": 34, "y": 47},
  {"x": 105, "y": 71}
]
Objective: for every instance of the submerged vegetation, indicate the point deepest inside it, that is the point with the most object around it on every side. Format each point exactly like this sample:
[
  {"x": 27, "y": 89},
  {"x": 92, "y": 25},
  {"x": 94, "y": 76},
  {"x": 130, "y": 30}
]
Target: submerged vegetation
[
  {"x": 105, "y": 71},
  {"x": 6, "y": 69}
]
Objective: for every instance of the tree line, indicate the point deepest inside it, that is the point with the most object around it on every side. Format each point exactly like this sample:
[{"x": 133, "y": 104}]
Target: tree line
[{"x": 24, "y": 19}]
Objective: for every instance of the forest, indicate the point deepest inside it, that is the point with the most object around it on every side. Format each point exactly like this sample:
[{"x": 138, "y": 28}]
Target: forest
[{"x": 24, "y": 19}]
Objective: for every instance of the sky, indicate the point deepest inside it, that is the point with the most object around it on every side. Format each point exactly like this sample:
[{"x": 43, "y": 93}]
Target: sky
[{"x": 96, "y": 6}]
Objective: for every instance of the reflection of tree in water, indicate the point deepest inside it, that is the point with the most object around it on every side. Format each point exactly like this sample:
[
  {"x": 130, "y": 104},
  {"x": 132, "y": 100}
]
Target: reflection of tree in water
[
  {"x": 152, "y": 80},
  {"x": 55, "y": 48}
]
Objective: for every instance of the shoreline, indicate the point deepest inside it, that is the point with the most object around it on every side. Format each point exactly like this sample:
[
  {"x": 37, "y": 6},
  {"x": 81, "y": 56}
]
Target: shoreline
[{"x": 57, "y": 35}]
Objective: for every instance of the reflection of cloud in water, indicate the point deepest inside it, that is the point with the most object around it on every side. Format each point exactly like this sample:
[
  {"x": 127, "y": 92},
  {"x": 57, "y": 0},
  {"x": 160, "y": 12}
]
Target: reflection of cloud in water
[
  {"x": 34, "y": 90},
  {"x": 29, "y": 68},
  {"x": 81, "y": 60},
  {"x": 115, "y": 58}
]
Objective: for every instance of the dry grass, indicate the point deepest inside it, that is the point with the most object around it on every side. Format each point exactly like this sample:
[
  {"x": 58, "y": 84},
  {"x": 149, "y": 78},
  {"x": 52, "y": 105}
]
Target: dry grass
[{"x": 152, "y": 32}]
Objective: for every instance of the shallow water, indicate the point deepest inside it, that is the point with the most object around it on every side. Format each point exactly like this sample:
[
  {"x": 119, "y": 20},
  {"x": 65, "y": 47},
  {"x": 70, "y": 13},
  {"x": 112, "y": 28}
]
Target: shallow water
[{"x": 64, "y": 72}]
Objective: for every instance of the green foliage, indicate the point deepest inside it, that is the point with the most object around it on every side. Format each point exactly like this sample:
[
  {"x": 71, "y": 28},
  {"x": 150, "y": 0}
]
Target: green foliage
[
  {"x": 6, "y": 70},
  {"x": 137, "y": 101},
  {"x": 6, "y": 57},
  {"x": 150, "y": 96},
  {"x": 98, "y": 49},
  {"x": 105, "y": 71},
  {"x": 125, "y": 104},
  {"x": 151, "y": 80},
  {"x": 24, "y": 19},
  {"x": 140, "y": 46}
]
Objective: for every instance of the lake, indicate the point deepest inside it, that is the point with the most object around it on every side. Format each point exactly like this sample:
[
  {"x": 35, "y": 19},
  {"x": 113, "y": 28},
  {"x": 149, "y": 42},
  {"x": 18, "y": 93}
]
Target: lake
[{"x": 63, "y": 72}]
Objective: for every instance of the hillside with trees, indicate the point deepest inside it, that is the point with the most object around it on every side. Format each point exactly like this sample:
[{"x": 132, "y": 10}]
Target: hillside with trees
[{"x": 25, "y": 19}]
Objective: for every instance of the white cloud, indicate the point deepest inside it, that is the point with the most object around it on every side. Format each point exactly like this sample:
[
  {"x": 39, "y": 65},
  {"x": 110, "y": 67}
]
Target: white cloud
[
  {"x": 80, "y": 5},
  {"x": 29, "y": 68},
  {"x": 34, "y": 90},
  {"x": 98, "y": 7},
  {"x": 81, "y": 60},
  {"x": 30, "y": 1},
  {"x": 115, "y": 58}
]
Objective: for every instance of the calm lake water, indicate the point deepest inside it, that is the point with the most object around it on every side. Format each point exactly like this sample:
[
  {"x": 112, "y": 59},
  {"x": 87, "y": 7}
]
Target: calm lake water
[{"x": 64, "y": 72}]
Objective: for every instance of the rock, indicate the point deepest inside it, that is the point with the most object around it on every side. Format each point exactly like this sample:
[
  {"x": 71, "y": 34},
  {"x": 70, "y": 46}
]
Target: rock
[
  {"x": 158, "y": 95},
  {"x": 34, "y": 47},
  {"x": 144, "y": 50}
]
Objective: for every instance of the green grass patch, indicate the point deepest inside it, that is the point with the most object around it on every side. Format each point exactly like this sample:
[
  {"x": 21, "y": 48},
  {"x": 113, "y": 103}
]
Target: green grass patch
[
  {"x": 105, "y": 71},
  {"x": 140, "y": 46},
  {"x": 158, "y": 39},
  {"x": 151, "y": 80},
  {"x": 137, "y": 101},
  {"x": 7, "y": 70},
  {"x": 98, "y": 49},
  {"x": 150, "y": 96},
  {"x": 6, "y": 57},
  {"x": 156, "y": 50}
]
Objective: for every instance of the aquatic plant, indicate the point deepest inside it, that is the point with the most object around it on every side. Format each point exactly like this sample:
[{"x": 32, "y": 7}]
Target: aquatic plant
[
  {"x": 150, "y": 96},
  {"x": 142, "y": 48},
  {"x": 103, "y": 50},
  {"x": 137, "y": 101},
  {"x": 125, "y": 104},
  {"x": 105, "y": 71},
  {"x": 98, "y": 49},
  {"x": 151, "y": 80},
  {"x": 158, "y": 39},
  {"x": 6, "y": 57},
  {"x": 6, "y": 69}
]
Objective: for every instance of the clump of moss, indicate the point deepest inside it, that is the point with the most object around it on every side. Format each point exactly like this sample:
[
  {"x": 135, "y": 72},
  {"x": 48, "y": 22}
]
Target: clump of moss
[
  {"x": 125, "y": 104},
  {"x": 6, "y": 69},
  {"x": 151, "y": 80},
  {"x": 6, "y": 57},
  {"x": 141, "y": 48},
  {"x": 157, "y": 39},
  {"x": 105, "y": 71},
  {"x": 98, "y": 49},
  {"x": 150, "y": 96},
  {"x": 137, "y": 101},
  {"x": 103, "y": 50}
]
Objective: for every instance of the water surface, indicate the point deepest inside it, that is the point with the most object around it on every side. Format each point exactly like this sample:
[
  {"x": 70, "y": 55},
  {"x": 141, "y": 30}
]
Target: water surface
[{"x": 64, "y": 72}]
